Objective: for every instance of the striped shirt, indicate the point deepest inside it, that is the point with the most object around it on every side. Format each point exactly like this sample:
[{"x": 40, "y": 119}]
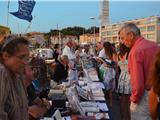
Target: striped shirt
[{"x": 13, "y": 99}]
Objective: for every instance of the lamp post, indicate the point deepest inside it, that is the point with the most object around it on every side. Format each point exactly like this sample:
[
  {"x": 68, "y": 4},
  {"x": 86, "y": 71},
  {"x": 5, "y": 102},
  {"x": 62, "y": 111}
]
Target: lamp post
[
  {"x": 94, "y": 30},
  {"x": 60, "y": 41}
]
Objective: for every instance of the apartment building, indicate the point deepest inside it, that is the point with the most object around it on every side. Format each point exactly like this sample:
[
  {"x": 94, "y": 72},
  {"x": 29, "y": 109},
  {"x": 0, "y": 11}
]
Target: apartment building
[
  {"x": 150, "y": 29},
  {"x": 89, "y": 38},
  {"x": 4, "y": 31},
  {"x": 62, "y": 39}
]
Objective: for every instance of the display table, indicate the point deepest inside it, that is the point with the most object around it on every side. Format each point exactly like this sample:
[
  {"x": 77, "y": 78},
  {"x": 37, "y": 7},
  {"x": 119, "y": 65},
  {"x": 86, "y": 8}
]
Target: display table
[{"x": 85, "y": 99}]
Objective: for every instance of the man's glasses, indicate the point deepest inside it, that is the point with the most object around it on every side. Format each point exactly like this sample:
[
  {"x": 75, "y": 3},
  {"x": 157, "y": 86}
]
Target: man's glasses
[
  {"x": 8, "y": 40},
  {"x": 23, "y": 58}
]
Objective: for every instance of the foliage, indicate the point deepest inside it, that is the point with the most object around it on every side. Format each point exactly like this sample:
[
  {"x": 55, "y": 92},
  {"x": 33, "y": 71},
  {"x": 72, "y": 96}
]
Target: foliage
[{"x": 74, "y": 31}]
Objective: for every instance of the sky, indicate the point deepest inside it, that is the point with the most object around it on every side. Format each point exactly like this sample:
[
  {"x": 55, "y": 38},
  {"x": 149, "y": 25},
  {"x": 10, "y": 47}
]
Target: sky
[{"x": 48, "y": 14}]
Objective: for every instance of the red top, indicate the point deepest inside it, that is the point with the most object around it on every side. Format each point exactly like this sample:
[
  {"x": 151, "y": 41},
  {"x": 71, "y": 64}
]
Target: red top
[{"x": 140, "y": 58}]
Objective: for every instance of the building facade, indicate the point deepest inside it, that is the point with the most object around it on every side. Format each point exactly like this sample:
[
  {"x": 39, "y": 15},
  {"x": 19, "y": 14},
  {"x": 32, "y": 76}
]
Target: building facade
[
  {"x": 150, "y": 29},
  {"x": 62, "y": 39},
  {"x": 3, "y": 32},
  {"x": 36, "y": 39},
  {"x": 89, "y": 38}
]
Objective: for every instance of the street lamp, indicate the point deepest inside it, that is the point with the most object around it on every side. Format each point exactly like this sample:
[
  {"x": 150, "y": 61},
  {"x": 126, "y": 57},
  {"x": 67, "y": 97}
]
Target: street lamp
[
  {"x": 94, "y": 30},
  {"x": 60, "y": 40}
]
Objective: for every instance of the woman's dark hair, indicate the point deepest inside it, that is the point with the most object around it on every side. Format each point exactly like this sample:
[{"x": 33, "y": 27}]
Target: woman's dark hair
[
  {"x": 123, "y": 49},
  {"x": 154, "y": 76},
  {"x": 77, "y": 47},
  {"x": 11, "y": 43},
  {"x": 109, "y": 49},
  {"x": 56, "y": 46}
]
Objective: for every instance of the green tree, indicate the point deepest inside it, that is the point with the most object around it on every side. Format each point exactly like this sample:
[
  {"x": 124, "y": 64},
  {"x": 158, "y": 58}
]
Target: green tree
[
  {"x": 75, "y": 31},
  {"x": 54, "y": 32},
  {"x": 91, "y": 30}
]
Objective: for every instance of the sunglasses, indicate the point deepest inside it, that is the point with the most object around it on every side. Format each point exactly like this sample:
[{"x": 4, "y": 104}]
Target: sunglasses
[
  {"x": 23, "y": 58},
  {"x": 8, "y": 40}
]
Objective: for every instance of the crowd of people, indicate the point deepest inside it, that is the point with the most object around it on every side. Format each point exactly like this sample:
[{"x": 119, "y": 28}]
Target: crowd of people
[{"x": 131, "y": 70}]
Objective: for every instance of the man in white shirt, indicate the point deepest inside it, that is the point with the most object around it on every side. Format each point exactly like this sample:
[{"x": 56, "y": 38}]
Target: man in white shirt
[{"x": 68, "y": 51}]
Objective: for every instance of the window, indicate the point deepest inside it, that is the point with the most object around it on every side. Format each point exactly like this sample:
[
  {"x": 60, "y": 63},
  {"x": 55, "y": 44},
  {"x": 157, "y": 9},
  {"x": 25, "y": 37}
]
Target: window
[
  {"x": 103, "y": 33},
  {"x": 113, "y": 26},
  {"x": 109, "y": 38},
  {"x": 109, "y": 27},
  {"x": 103, "y": 27},
  {"x": 151, "y": 28},
  {"x": 158, "y": 19},
  {"x": 142, "y": 29},
  {"x": 151, "y": 36},
  {"x": 115, "y": 32},
  {"x": 109, "y": 33},
  {"x": 115, "y": 38}
]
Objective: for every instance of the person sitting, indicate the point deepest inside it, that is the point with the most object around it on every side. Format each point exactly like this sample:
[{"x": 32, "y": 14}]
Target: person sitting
[
  {"x": 56, "y": 52},
  {"x": 37, "y": 106},
  {"x": 68, "y": 50},
  {"x": 61, "y": 69},
  {"x": 72, "y": 74}
]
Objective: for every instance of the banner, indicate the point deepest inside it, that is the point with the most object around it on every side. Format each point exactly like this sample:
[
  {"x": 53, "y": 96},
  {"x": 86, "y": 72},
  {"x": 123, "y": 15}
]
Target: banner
[{"x": 25, "y": 10}]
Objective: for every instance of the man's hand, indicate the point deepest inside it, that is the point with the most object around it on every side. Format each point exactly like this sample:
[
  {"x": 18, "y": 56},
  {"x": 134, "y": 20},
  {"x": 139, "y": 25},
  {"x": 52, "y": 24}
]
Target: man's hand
[{"x": 133, "y": 107}]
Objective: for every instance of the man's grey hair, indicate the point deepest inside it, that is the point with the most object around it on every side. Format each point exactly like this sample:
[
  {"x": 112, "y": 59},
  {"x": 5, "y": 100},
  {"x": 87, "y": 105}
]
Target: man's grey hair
[{"x": 131, "y": 27}]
